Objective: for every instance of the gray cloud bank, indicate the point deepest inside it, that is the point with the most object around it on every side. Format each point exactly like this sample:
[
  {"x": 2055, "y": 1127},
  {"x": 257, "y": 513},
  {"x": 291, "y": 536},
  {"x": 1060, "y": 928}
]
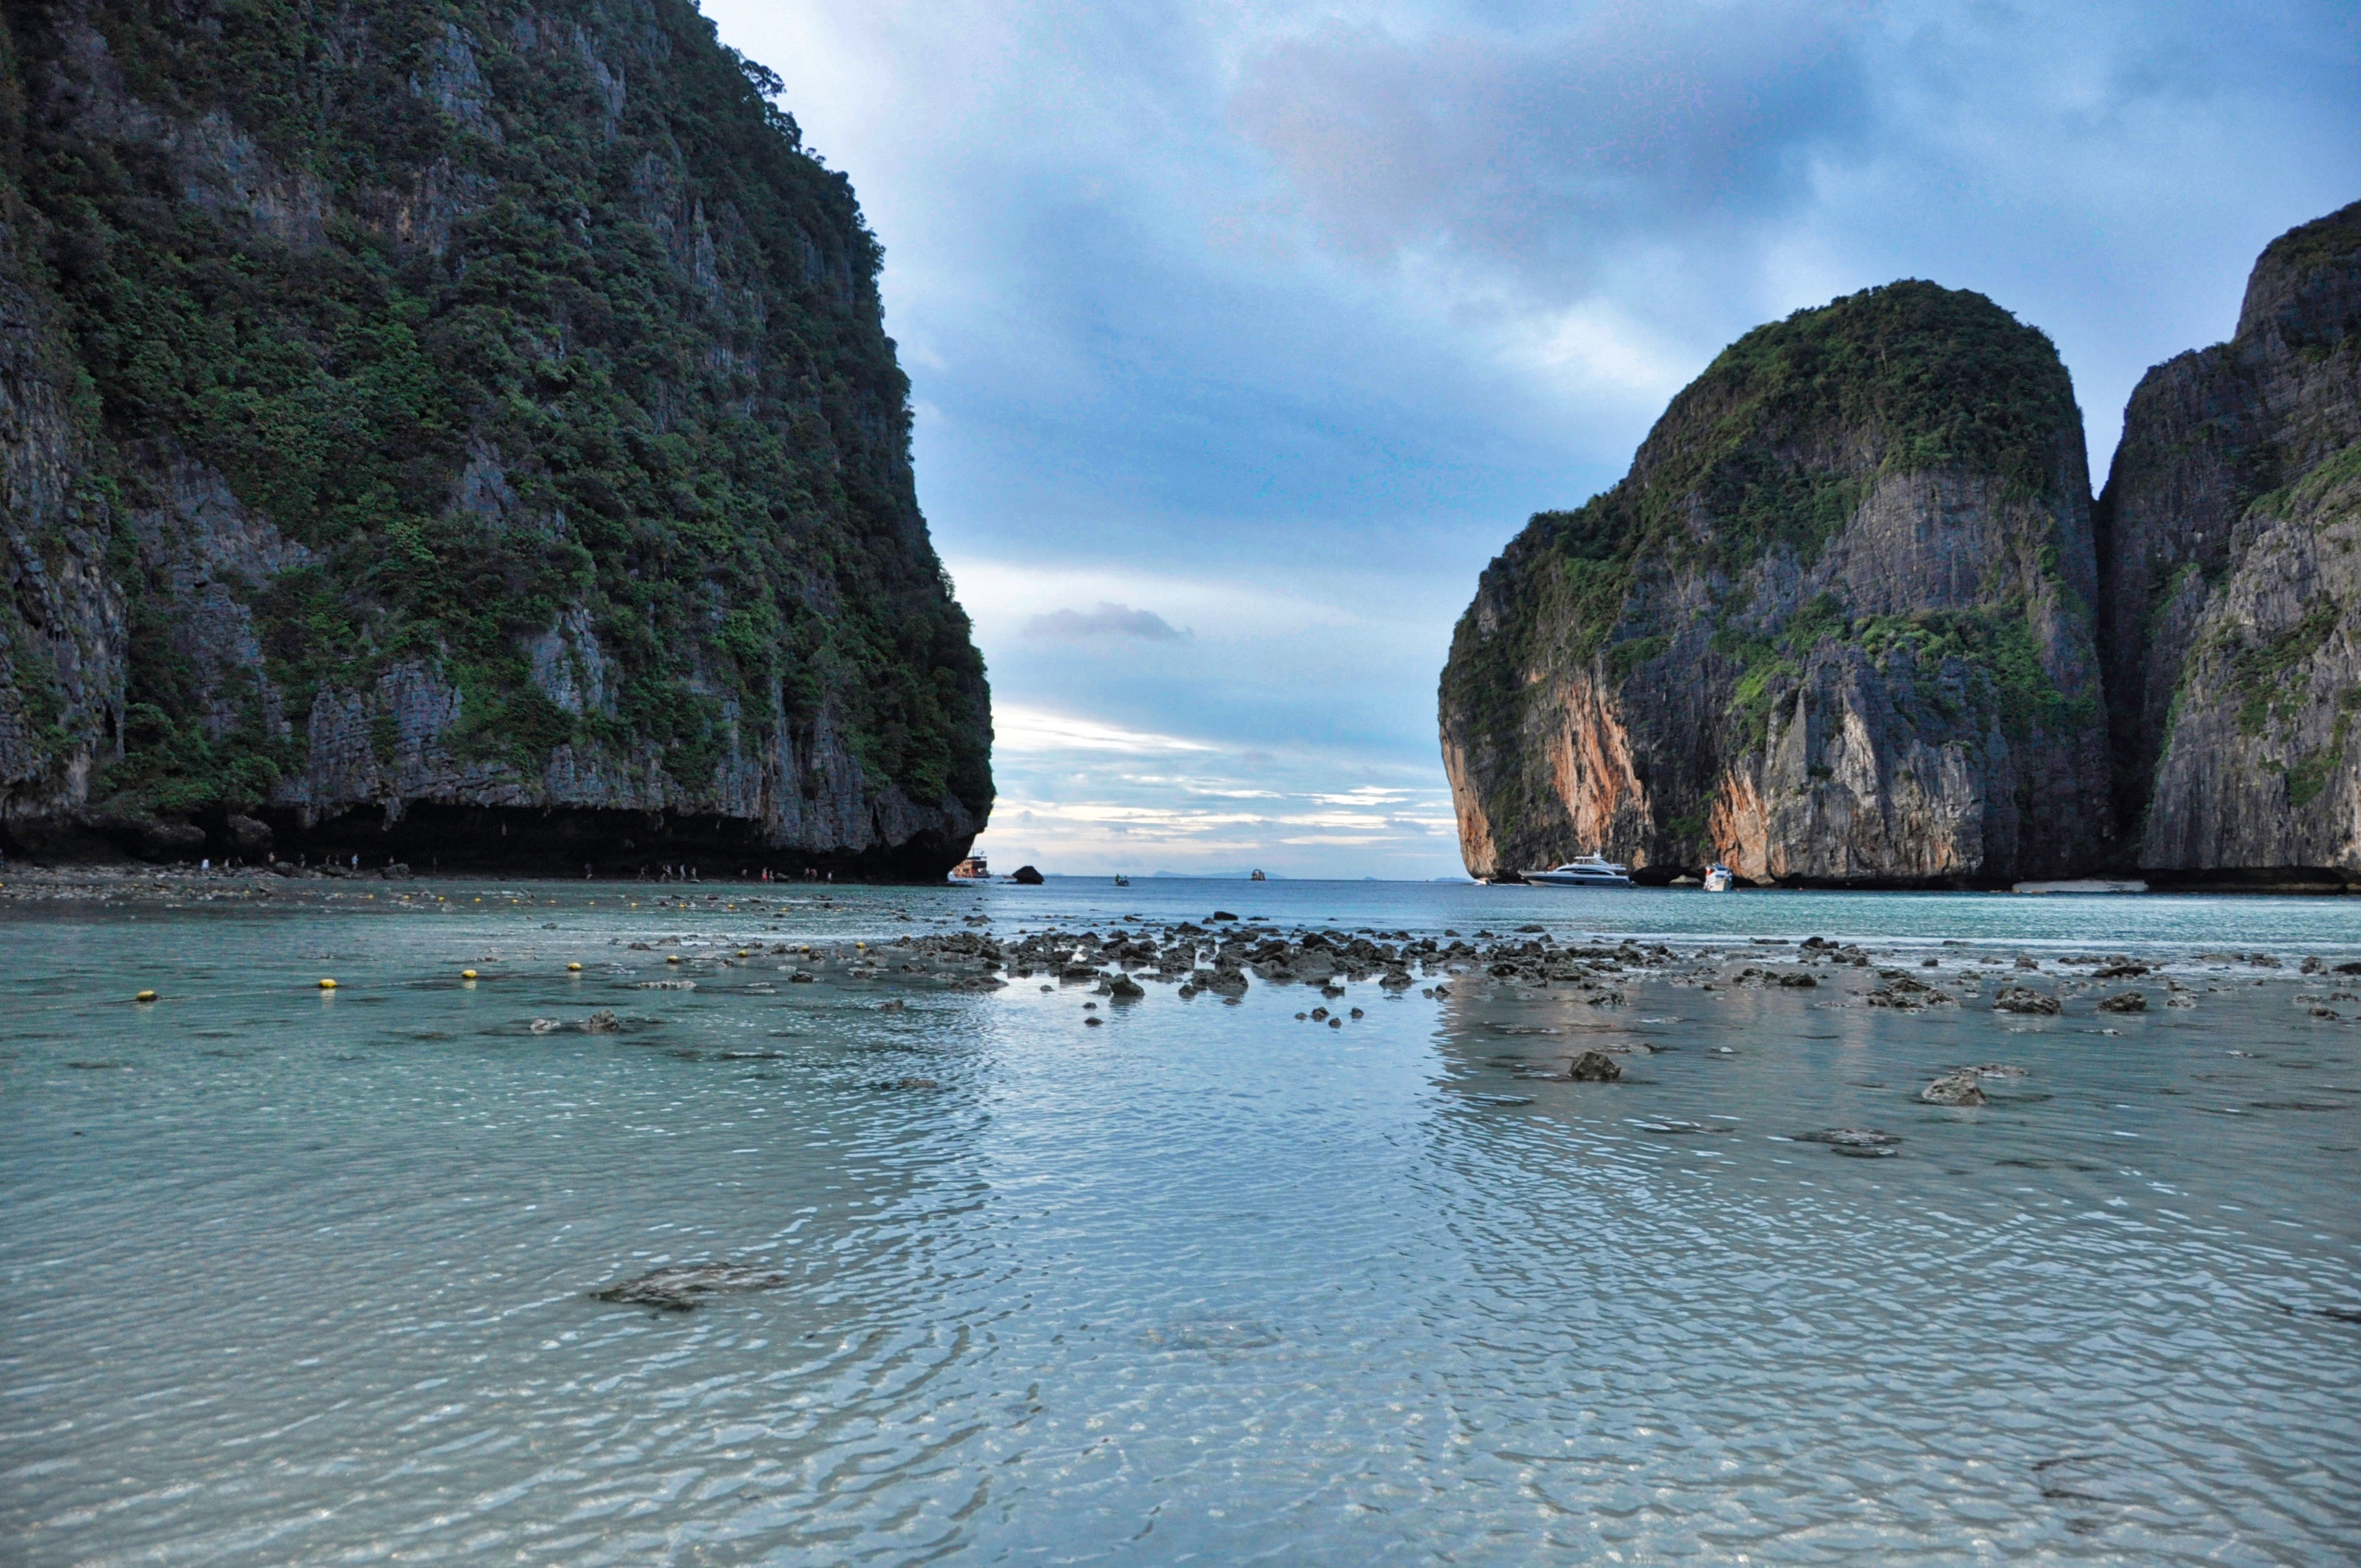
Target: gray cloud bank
[
  {"x": 1647, "y": 123},
  {"x": 1104, "y": 621}
]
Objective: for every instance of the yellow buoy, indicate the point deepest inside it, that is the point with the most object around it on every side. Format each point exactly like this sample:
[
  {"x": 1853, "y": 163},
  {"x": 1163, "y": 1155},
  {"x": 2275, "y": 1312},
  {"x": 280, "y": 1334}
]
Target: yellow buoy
[
  {"x": 672, "y": 959},
  {"x": 466, "y": 974},
  {"x": 741, "y": 952},
  {"x": 328, "y": 985},
  {"x": 573, "y": 968},
  {"x": 145, "y": 996}
]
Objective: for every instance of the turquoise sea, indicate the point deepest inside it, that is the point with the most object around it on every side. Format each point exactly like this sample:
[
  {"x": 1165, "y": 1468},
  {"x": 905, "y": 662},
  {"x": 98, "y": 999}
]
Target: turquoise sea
[{"x": 294, "y": 1276}]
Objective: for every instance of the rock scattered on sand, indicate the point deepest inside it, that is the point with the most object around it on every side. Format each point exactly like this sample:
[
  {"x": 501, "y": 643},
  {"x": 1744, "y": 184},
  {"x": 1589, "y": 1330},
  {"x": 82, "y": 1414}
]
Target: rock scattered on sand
[{"x": 1953, "y": 1089}]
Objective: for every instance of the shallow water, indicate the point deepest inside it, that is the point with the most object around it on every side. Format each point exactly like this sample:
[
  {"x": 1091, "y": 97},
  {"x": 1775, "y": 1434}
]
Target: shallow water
[{"x": 300, "y": 1277}]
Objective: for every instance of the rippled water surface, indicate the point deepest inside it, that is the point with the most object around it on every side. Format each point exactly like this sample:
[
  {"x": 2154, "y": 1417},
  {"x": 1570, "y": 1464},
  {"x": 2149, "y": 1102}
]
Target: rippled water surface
[{"x": 303, "y": 1276}]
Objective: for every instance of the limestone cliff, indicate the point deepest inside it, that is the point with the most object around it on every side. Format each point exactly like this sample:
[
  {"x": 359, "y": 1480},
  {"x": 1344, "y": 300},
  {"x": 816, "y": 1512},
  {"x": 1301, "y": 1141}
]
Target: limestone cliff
[
  {"x": 2231, "y": 605},
  {"x": 460, "y": 431},
  {"x": 1833, "y": 627}
]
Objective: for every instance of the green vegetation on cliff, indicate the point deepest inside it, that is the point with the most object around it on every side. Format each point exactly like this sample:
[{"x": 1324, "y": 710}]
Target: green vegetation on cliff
[{"x": 503, "y": 313}]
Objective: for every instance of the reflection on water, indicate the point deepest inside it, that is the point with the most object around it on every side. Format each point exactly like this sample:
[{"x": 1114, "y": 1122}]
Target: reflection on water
[{"x": 294, "y": 1276}]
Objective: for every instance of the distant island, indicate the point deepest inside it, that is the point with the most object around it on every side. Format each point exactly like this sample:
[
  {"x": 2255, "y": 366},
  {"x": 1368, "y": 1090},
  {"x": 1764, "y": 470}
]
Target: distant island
[{"x": 1854, "y": 616}]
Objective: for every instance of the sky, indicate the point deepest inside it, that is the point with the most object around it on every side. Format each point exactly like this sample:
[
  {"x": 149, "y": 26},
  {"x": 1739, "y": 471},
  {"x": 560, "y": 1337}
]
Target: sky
[{"x": 1242, "y": 335}]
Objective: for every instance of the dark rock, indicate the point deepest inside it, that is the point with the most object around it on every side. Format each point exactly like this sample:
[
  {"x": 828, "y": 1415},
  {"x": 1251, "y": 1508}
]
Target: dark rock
[
  {"x": 1026, "y": 875},
  {"x": 686, "y": 1287},
  {"x": 2126, "y": 1002},
  {"x": 1953, "y": 1089},
  {"x": 1123, "y": 988},
  {"x": 1594, "y": 1066},
  {"x": 1798, "y": 981},
  {"x": 2024, "y": 999},
  {"x": 602, "y": 1022},
  {"x": 1852, "y": 1138}
]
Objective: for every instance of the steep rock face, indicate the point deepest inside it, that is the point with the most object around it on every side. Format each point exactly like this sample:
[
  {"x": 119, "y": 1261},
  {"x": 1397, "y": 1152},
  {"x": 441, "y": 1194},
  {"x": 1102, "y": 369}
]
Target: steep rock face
[
  {"x": 455, "y": 431},
  {"x": 2227, "y": 525},
  {"x": 1833, "y": 627},
  {"x": 2205, "y": 436}
]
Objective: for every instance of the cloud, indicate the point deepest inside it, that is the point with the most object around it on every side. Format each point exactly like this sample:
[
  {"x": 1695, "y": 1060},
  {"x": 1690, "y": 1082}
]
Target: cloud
[
  {"x": 1019, "y": 727},
  {"x": 1640, "y": 124},
  {"x": 1107, "y": 620}
]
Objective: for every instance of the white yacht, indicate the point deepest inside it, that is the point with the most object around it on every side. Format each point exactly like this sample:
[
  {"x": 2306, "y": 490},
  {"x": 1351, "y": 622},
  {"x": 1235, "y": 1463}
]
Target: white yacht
[
  {"x": 1717, "y": 878},
  {"x": 1583, "y": 871}
]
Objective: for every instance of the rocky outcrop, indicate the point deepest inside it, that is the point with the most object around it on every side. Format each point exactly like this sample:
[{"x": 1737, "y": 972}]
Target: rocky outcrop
[
  {"x": 2229, "y": 591},
  {"x": 458, "y": 434},
  {"x": 1833, "y": 628}
]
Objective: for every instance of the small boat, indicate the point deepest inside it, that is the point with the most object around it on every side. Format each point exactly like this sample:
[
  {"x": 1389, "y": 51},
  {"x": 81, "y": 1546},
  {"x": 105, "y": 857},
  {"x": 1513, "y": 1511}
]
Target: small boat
[
  {"x": 1122, "y": 880},
  {"x": 1257, "y": 877},
  {"x": 1717, "y": 878},
  {"x": 972, "y": 869},
  {"x": 1583, "y": 871}
]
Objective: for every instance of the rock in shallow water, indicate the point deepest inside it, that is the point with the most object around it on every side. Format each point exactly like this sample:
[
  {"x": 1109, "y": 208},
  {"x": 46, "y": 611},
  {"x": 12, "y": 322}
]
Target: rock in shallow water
[
  {"x": 2024, "y": 999},
  {"x": 1851, "y": 1137},
  {"x": 1953, "y": 1089},
  {"x": 2129, "y": 1001},
  {"x": 683, "y": 1287},
  {"x": 1594, "y": 1066}
]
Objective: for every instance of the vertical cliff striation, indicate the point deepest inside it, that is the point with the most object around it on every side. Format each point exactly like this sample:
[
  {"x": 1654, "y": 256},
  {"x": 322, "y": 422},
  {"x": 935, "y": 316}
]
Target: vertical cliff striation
[
  {"x": 1834, "y": 626},
  {"x": 454, "y": 429},
  {"x": 2230, "y": 595}
]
